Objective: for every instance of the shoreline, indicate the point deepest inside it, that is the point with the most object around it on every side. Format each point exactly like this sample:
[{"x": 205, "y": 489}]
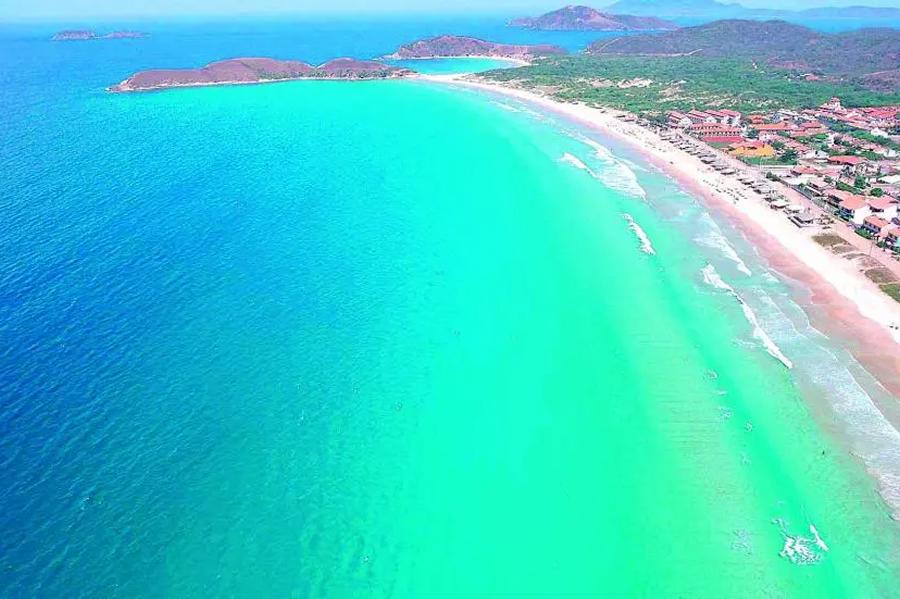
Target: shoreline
[
  {"x": 113, "y": 88},
  {"x": 838, "y": 299},
  {"x": 519, "y": 62}
]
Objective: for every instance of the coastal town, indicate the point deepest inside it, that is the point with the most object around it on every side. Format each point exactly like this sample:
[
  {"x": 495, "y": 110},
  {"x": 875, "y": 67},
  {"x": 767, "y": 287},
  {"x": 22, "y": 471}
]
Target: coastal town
[{"x": 831, "y": 168}]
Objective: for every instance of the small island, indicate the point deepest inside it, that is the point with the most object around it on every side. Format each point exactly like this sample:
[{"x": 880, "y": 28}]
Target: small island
[
  {"x": 79, "y": 35},
  {"x": 455, "y": 46},
  {"x": 241, "y": 71},
  {"x": 585, "y": 18}
]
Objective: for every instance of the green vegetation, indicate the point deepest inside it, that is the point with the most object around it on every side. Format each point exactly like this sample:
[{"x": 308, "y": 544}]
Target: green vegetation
[
  {"x": 848, "y": 188},
  {"x": 866, "y": 55},
  {"x": 864, "y": 135},
  {"x": 653, "y": 85},
  {"x": 893, "y": 290}
]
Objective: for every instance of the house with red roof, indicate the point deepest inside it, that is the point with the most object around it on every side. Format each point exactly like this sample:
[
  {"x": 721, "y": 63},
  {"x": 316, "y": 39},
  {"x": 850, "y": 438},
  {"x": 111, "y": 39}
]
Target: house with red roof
[
  {"x": 854, "y": 209},
  {"x": 855, "y": 164},
  {"x": 885, "y": 207},
  {"x": 891, "y": 236},
  {"x": 834, "y": 197},
  {"x": 704, "y": 129},
  {"x": 678, "y": 119},
  {"x": 875, "y": 225}
]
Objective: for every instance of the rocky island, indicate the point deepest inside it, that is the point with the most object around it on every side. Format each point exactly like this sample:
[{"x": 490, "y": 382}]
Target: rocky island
[
  {"x": 238, "y": 71},
  {"x": 455, "y": 46},
  {"x": 75, "y": 35},
  {"x": 585, "y": 18}
]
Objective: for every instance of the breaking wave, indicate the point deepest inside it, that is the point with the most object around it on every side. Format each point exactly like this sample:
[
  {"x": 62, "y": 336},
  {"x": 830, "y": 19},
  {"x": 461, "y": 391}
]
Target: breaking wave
[
  {"x": 574, "y": 161},
  {"x": 713, "y": 238},
  {"x": 646, "y": 245},
  {"x": 800, "y": 549},
  {"x": 711, "y": 277},
  {"x": 615, "y": 173}
]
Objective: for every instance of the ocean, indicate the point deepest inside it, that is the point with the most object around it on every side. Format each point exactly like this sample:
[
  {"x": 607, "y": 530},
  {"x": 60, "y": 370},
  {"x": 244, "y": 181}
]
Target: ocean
[{"x": 393, "y": 339}]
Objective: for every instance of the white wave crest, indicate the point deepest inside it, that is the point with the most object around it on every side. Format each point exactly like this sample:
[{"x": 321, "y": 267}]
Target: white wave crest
[
  {"x": 800, "y": 549},
  {"x": 616, "y": 173},
  {"x": 646, "y": 245},
  {"x": 574, "y": 161},
  {"x": 505, "y": 106},
  {"x": 713, "y": 238},
  {"x": 711, "y": 277}
]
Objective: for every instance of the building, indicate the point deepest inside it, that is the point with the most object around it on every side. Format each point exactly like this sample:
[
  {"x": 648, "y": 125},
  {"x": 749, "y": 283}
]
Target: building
[
  {"x": 714, "y": 129},
  {"x": 885, "y": 207},
  {"x": 854, "y": 209},
  {"x": 891, "y": 236},
  {"x": 721, "y": 139},
  {"x": 856, "y": 165},
  {"x": 701, "y": 116},
  {"x": 874, "y": 225},
  {"x": 678, "y": 119}
]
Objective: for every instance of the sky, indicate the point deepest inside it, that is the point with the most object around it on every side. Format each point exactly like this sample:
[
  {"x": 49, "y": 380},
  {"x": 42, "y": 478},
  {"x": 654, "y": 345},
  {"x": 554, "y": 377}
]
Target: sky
[{"x": 87, "y": 9}]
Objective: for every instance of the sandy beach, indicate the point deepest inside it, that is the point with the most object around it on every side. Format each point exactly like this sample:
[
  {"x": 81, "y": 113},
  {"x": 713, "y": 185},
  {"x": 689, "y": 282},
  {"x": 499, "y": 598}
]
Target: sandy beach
[{"x": 845, "y": 302}]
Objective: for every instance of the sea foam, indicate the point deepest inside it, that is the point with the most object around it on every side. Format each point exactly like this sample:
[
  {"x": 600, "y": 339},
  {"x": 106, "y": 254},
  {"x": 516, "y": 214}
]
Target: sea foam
[
  {"x": 711, "y": 277},
  {"x": 800, "y": 549},
  {"x": 713, "y": 238},
  {"x": 615, "y": 173},
  {"x": 646, "y": 245}
]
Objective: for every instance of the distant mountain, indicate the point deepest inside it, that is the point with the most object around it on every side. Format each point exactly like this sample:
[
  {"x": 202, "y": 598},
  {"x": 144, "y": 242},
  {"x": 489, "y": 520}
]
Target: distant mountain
[
  {"x": 861, "y": 54},
  {"x": 710, "y": 9},
  {"x": 585, "y": 18}
]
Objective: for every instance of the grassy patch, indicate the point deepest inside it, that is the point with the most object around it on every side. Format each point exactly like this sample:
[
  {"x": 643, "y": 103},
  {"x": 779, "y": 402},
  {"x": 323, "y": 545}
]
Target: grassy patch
[
  {"x": 893, "y": 290},
  {"x": 829, "y": 240},
  {"x": 881, "y": 275}
]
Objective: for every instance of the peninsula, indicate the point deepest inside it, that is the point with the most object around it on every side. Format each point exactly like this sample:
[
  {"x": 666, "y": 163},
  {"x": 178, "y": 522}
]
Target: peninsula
[
  {"x": 238, "y": 71},
  {"x": 80, "y": 35},
  {"x": 453, "y": 46},
  {"x": 585, "y": 18}
]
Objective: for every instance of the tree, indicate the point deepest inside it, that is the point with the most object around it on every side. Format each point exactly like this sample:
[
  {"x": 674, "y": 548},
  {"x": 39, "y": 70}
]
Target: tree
[
  {"x": 877, "y": 192},
  {"x": 789, "y": 156},
  {"x": 859, "y": 182}
]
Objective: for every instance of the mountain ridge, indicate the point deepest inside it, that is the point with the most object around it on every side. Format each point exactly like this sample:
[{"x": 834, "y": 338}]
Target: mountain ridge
[{"x": 585, "y": 18}]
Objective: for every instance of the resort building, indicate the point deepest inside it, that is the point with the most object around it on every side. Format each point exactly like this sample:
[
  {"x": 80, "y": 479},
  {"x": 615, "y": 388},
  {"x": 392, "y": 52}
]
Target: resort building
[
  {"x": 885, "y": 207},
  {"x": 875, "y": 225},
  {"x": 890, "y": 236},
  {"x": 714, "y": 129},
  {"x": 856, "y": 165},
  {"x": 854, "y": 209},
  {"x": 678, "y": 119}
]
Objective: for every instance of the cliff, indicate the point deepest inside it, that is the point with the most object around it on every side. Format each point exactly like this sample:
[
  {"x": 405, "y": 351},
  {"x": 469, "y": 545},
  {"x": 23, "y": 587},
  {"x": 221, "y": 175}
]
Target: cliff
[
  {"x": 449, "y": 46},
  {"x": 257, "y": 70},
  {"x": 584, "y": 18}
]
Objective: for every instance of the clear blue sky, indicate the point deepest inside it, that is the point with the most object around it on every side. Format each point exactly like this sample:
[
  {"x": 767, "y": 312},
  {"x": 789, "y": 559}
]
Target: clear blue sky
[{"x": 90, "y": 9}]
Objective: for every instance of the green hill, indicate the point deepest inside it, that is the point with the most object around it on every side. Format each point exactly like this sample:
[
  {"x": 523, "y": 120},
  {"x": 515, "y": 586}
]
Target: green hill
[{"x": 853, "y": 55}]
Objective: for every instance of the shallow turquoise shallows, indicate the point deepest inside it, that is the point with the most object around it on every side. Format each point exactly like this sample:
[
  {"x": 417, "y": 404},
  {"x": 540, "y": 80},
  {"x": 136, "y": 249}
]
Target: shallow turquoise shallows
[{"x": 391, "y": 339}]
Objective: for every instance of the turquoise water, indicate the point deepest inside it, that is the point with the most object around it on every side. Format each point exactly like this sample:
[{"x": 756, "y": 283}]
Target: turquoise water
[
  {"x": 391, "y": 339},
  {"x": 452, "y": 66}
]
